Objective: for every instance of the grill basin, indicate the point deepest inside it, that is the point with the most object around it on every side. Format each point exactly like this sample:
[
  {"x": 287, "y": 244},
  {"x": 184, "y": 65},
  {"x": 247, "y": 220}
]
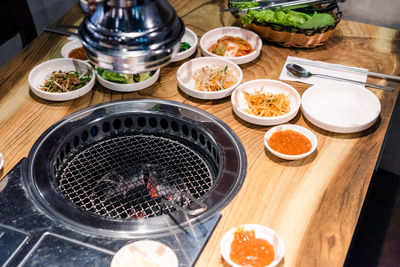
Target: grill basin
[{"x": 106, "y": 169}]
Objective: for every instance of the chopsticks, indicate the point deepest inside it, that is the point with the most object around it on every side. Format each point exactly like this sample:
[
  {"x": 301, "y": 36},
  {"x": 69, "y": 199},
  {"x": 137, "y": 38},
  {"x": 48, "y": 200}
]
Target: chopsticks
[
  {"x": 265, "y": 4},
  {"x": 345, "y": 68},
  {"x": 57, "y": 31}
]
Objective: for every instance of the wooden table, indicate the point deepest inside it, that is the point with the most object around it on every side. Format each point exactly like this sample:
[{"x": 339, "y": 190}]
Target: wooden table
[{"x": 313, "y": 204}]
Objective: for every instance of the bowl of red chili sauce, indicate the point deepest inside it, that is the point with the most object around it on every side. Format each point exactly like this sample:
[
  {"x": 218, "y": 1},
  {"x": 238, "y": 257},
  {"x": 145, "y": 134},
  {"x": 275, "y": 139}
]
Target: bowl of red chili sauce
[
  {"x": 252, "y": 245},
  {"x": 74, "y": 49},
  {"x": 290, "y": 142}
]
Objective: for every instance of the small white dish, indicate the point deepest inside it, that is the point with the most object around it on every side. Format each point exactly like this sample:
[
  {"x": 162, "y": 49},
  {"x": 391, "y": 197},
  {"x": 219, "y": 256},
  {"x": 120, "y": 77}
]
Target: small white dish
[
  {"x": 187, "y": 84},
  {"x": 239, "y": 103},
  {"x": 307, "y": 133},
  {"x": 191, "y": 38},
  {"x": 38, "y": 75},
  {"x": 68, "y": 47},
  {"x": 211, "y": 37},
  {"x": 260, "y": 232},
  {"x": 1, "y": 161},
  {"x": 340, "y": 107},
  {"x": 129, "y": 87},
  {"x": 145, "y": 253}
]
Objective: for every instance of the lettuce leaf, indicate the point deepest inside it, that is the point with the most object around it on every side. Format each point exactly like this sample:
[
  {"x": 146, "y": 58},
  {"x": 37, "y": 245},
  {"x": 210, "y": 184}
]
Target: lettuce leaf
[
  {"x": 317, "y": 21},
  {"x": 122, "y": 77},
  {"x": 285, "y": 17},
  {"x": 113, "y": 76}
]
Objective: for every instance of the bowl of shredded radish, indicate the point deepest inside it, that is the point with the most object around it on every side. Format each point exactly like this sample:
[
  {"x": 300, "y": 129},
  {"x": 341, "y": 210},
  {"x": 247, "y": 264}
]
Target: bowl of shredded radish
[
  {"x": 209, "y": 77},
  {"x": 265, "y": 102}
]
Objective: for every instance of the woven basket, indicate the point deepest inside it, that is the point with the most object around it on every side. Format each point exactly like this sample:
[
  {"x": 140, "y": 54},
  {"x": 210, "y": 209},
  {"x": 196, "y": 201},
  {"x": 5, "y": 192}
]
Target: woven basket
[{"x": 294, "y": 37}]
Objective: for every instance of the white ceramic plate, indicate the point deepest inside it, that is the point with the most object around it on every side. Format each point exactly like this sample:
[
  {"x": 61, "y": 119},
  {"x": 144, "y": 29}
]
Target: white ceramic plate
[
  {"x": 307, "y": 133},
  {"x": 187, "y": 84},
  {"x": 211, "y": 37},
  {"x": 68, "y": 47},
  {"x": 261, "y": 232},
  {"x": 239, "y": 103},
  {"x": 191, "y": 38},
  {"x": 129, "y": 87},
  {"x": 1, "y": 161},
  {"x": 38, "y": 75},
  {"x": 145, "y": 253},
  {"x": 340, "y": 107}
]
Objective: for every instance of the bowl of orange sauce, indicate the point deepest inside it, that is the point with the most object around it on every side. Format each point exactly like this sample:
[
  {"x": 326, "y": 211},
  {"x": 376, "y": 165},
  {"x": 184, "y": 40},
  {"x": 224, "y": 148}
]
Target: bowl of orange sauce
[
  {"x": 290, "y": 142},
  {"x": 252, "y": 245},
  {"x": 74, "y": 49}
]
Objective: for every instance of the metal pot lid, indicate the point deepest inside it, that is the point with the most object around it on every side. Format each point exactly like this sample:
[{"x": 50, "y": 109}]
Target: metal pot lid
[{"x": 131, "y": 36}]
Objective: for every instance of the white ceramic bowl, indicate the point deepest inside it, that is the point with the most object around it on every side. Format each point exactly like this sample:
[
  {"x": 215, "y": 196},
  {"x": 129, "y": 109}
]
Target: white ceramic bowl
[
  {"x": 187, "y": 84},
  {"x": 261, "y": 232},
  {"x": 145, "y": 253},
  {"x": 68, "y": 47},
  {"x": 239, "y": 103},
  {"x": 340, "y": 107},
  {"x": 38, "y": 75},
  {"x": 129, "y": 87},
  {"x": 191, "y": 38},
  {"x": 211, "y": 37},
  {"x": 307, "y": 133}
]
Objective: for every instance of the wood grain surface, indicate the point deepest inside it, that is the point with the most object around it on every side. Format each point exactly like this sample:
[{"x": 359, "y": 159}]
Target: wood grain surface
[{"x": 313, "y": 204}]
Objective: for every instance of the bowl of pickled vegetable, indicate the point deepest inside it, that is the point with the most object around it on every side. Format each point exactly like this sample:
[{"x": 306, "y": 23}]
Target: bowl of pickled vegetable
[
  {"x": 122, "y": 82},
  {"x": 61, "y": 79},
  {"x": 252, "y": 245}
]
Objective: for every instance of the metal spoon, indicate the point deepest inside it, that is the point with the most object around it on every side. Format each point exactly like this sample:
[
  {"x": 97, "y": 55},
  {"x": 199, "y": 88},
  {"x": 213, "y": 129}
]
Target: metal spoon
[{"x": 301, "y": 72}]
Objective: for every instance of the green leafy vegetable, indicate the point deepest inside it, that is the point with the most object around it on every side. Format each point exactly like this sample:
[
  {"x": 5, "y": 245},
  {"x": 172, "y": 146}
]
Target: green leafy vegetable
[
  {"x": 284, "y": 16},
  {"x": 184, "y": 46},
  {"x": 122, "y": 77}
]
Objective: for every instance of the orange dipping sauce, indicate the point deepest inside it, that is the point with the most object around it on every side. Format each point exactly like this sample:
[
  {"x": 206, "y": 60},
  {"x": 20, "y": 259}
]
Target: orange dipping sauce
[
  {"x": 289, "y": 142},
  {"x": 78, "y": 53},
  {"x": 247, "y": 250}
]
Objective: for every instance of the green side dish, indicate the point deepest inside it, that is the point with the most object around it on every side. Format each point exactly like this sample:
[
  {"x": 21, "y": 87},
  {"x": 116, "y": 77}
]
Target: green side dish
[
  {"x": 184, "y": 46},
  {"x": 284, "y": 16},
  {"x": 122, "y": 77}
]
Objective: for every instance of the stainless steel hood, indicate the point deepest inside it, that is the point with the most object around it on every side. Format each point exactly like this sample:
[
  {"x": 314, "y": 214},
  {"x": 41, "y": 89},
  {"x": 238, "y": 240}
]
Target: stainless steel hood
[{"x": 130, "y": 36}]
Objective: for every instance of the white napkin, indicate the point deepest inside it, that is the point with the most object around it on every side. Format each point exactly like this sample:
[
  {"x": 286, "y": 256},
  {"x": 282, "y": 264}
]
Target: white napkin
[{"x": 320, "y": 67}]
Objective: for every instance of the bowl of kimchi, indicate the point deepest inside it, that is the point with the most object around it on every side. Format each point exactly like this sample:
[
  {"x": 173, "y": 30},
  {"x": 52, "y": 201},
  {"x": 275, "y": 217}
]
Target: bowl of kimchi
[
  {"x": 265, "y": 102},
  {"x": 236, "y": 44},
  {"x": 209, "y": 77}
]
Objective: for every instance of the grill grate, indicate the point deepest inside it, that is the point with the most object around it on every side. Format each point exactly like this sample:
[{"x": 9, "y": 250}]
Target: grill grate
[{"x": 117, "y": 177}]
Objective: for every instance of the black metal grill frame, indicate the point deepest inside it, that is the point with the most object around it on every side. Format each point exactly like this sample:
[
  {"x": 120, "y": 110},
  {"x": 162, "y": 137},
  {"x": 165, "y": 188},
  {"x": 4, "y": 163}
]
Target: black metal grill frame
[{"x": 190, "y": 126}]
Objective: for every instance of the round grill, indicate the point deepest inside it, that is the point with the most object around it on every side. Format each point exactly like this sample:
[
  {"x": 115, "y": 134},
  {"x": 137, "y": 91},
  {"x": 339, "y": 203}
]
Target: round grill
[
  {"x": 135, "y": 167},
  {"x": 108, "y": 178}
]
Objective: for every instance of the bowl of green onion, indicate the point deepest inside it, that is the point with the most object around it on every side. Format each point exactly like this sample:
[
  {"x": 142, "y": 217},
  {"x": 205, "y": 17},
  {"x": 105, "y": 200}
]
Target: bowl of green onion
[{"x": 188, "y": 45}]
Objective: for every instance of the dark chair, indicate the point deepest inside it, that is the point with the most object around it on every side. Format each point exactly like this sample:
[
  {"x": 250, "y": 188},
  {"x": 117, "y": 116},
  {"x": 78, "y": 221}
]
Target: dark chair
[{"x": 16, "y": 17}]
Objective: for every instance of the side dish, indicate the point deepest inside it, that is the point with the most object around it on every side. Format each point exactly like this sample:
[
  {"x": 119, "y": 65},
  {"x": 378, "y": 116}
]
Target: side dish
[
  {"x": 122, "y": 77},
  {"x": 184, "y": 46},
  {"x": 289, "y": 142},
  {"x": 286, "y": 16},
  {"x": 214, "y": 78},
  {"x": 231, "y": 46},
  {"x": 78, "y": 53},
  {"x": 247, "y": 250},
  {"x": 61, "y": 82},
  {"x": 267, "y": 104}
]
